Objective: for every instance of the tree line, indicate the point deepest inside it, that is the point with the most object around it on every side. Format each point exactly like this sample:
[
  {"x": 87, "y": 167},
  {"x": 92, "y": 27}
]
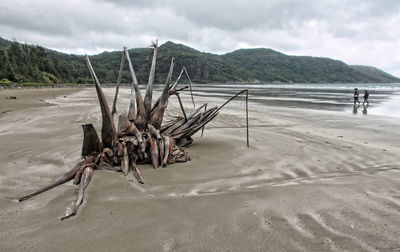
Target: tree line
[{"x": 23, "y": 63}]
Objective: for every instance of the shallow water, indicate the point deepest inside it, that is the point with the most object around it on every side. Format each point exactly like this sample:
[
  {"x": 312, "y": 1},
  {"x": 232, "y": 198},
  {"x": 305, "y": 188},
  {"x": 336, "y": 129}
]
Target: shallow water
[{"x": 384, "y": 98}]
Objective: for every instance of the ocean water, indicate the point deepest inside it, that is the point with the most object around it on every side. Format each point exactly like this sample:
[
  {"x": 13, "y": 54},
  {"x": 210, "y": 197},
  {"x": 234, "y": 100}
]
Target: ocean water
[{"x": 384, "y": 99}]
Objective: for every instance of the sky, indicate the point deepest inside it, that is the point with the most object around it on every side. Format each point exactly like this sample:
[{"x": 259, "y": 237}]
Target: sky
[{"x": 358, "y": 32}]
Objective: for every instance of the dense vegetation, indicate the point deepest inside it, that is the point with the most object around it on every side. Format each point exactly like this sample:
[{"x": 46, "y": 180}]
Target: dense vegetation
[{"x": 24, "y": 63}]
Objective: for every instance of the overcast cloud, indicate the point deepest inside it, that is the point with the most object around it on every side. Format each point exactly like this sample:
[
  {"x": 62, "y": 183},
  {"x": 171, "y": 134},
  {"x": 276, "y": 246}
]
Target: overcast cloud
[{"x": 364, "y": 32}]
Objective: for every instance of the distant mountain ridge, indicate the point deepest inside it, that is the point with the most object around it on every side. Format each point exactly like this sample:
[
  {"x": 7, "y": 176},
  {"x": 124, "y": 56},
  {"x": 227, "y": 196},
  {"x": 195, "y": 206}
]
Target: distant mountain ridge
[{"x": 31, "y": 63}]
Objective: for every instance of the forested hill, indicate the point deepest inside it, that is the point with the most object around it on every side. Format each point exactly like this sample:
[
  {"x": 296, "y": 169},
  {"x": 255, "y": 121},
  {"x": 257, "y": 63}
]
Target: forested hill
[{"x": 35, "y": 64}]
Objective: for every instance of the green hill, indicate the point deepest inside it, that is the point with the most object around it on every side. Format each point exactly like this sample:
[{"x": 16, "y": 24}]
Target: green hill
[
  {"x": 375, "y": 74},
  {"x": 271, "y": 66},
  {"x": 31, "y": 63},
  {"x": 4, "y": 44}
]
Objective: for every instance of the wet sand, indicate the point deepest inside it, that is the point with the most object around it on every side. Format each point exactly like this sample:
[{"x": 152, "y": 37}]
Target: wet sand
[{"x": 311, "y": 181}]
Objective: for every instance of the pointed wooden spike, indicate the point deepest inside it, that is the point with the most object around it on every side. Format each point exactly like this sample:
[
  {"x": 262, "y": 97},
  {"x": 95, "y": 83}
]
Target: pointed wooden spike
[
  {"x": 149, "y": 91},
  {"x": 173, "y": 87},
  {"x": 202, "y": 129},
  {"x": 157, "y": 114},
  {"x": 170, "y": 72},
  {"x": 108, "y": 132},
  {"x": 181, "y": 105},
  {"x": 121, "y": 68},
  {"x": 190, "y": 85},
  {"x": 140, "y": 119}
]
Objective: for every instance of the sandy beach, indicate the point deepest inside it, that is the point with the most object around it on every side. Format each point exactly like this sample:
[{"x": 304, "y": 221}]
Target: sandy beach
[{"x": 312, "y": 180}]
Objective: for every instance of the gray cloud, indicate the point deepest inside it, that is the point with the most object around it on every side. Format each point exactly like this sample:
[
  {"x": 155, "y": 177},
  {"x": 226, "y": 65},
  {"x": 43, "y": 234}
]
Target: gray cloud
[{"x": 357, "y": 32}]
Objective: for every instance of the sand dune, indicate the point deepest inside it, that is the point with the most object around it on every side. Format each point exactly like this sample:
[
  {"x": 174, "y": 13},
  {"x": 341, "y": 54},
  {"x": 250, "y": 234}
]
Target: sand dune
[{"x": 310, "y": 181}]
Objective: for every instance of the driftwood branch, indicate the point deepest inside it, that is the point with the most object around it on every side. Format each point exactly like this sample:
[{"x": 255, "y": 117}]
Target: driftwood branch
[
  {"x": 182, "y": 108},
  {"x": 61, "y": 180},
  {"x": 190, "y": 85}
]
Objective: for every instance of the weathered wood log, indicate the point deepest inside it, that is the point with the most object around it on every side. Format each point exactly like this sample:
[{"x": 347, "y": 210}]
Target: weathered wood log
[
  {"x": 140, "y": 118},
  {"x": 61, "y": 180},
  {"x": 77, "y": 178},
  {"x": 123, "y": 125},
  {"x": 157, "y": 114},
  {"x": 202, "y": 129},
  {"x": 193, "y": 129},
  {"x": 154, "y": 155},
  {"x": 108, "y": 132},
  {"x": 127, "y": 128},
  {"x": 193, "y": 121},
  {"x": 125, "y": 160},
  {"x": 183, "y": 142},
  {"x": 178, "y": 122},
  {"x": 108, "y": 167},
  {"x": 176, "y": 125},
  {"x": 170, "y": 92},
  {"x": 170, "y": 123},
  {"x": 91, "y": 141},
  {"x": 144, "y": 146},
  {"x": 181, "y": 105},
  {"x": 179, "y": 155},
  {"x": 171, "y": 148},
  {"x": 121, "y": 68},
  {"x": 167, "y": 142},
  {"x": 161, "y": 144},
  {"x": 170, "y": 72},
  {"x": 86, "y": 178},
  {"x": 136, "y": 173},
  {"x": 149, "y": 91},
  {"x": 154, "y": 132}
]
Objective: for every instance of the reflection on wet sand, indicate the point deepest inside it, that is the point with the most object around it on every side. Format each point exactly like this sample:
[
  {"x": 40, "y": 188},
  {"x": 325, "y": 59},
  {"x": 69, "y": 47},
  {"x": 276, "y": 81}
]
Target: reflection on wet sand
[
  {"x": 364, "y": 111},
  {"x": 355, "y": 109}
]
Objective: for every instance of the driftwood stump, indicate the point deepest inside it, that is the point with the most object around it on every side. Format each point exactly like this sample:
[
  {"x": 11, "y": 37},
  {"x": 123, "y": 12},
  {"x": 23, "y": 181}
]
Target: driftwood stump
[{"x": 141, "y": 136}]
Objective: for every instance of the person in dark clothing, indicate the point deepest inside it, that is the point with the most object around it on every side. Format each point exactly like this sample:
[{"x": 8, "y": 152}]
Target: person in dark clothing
[
  {"x": 366, "y": 95},
  {"x": 356, "y": 94}
]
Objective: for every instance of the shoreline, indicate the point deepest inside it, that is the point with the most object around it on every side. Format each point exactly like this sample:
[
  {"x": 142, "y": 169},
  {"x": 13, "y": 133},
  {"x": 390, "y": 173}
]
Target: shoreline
[{"x": 108, "y": 85}]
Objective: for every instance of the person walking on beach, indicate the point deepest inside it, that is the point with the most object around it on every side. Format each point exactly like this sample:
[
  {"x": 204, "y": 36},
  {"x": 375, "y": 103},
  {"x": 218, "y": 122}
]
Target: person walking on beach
[
  {"x": 366, "y": 95},
  {"x": 356, "y": 94}
]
